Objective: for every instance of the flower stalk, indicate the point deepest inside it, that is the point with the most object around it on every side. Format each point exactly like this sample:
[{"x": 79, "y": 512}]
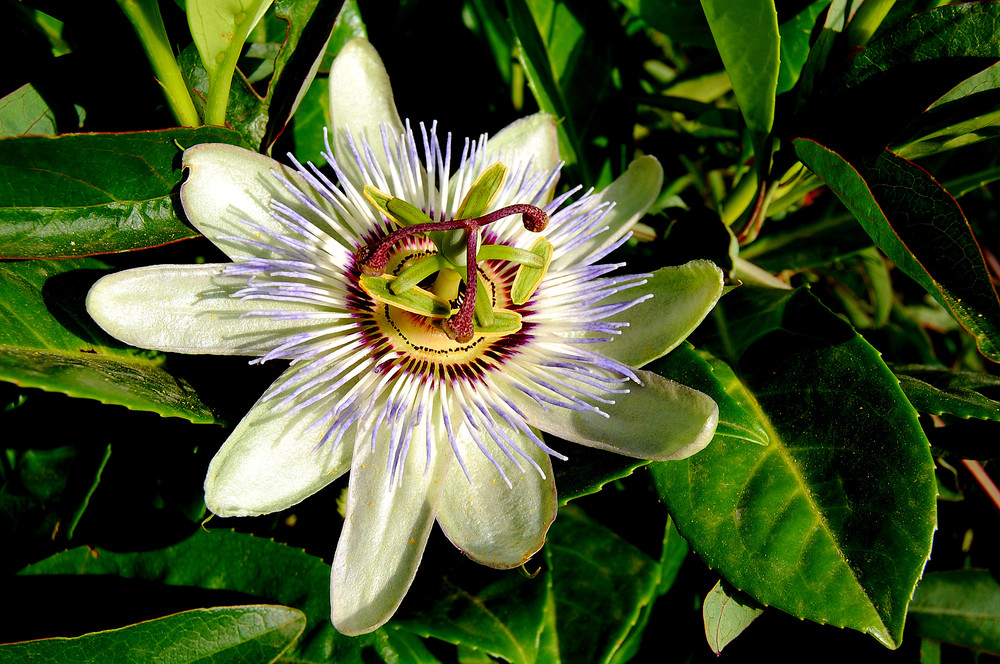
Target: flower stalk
[{"x": 148, "y": 24}]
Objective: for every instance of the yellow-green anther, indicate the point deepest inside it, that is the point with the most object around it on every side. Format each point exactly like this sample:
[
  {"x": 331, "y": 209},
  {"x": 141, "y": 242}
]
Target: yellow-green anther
[
  {"x": 501, "y": 252},
  {"x": 483, "y": 192},
  {"x": 379, "y": 199},
  {"x": 527, "y": 278},
  {"x": 408, "y": 214},
  {"x": 481, "y": 195},
  {"x": 414, "y": 300},
  {"x": 416, "y": 272},
  {"x": 484, "y": 307},
  {"x": 504, "y": 322},
  {"x": 397, "y": 210}
]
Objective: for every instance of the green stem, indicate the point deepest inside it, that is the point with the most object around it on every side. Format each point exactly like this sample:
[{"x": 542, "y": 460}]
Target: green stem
[
  {"x": 866, "y": 21},
  {"x": 222, "y": 75},
  {"x": 148, "y": 25}
]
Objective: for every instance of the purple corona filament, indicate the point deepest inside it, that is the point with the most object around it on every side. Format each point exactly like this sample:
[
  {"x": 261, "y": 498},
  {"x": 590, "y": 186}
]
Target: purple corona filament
[{"x": 374, "y": 258}]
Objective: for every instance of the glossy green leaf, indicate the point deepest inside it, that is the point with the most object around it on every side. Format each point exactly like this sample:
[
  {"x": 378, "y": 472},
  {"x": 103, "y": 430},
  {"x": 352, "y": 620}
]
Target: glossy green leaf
[
  {"x": 588, "y": 470},
  {"x": 402, "y": 646},
  {"x": 921, "y": 229},
  {"x": 681, "y": 20},
  {"x": 48, "y": 341},
  {"x": 739, "y": 420},
  {"x": 222, "y": 559},
  {"x": 967, "y": 114},
  {"x": 833, "y": 519},
  {"x": 593, "y": 567},
  {"x": 235, "y": 634},
  {"x": 727, "y": 612},
  {"x": 798, "y": 244},
  {"x": 795, "y": 34},
  {"x": 939, "y": 48},
  {"x": 674, "y": 552},
  {"x": 960, "y": 607},
  {"x": 82, "y": 194},
  {"x": 938, "y": 391},
  {"x": 23, "y": 111},
  {"x": 746, "y": 34},
  {"x": 315, "y": 33},
  {"x": 494, "y": 612},
  {"x": 534, "y": 57}
]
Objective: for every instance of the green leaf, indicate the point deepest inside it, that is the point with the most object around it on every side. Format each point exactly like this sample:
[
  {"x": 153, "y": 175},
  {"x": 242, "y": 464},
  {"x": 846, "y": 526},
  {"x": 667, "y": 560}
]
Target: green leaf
[
  {"x": 738, "y": 418},
  {"x": 222, "y": 559},
  {"x": 795, "y": 34},
  {"x": 236, "y": 634},
  {"x": 674, "y": 552},
  {"x": 497, "y": 612},
  {"x": 82, "y": 194},
  {"x": 311, "y": 117},
  {"x": 833, "y": 519},
  {"x": 534, "y": 57},
  {"x": 48, "y": 341},
  {"x": 588, "y": 469},
  {"x": 683, "y": 21},
  {"x": 938, "y": 391},
  {"x": 960, "y": 607},
  {"x": 967, "y": 114},
  {"x": 592, "y": 567},
  {"x": 312, "y": 114},
  {"x": 940, "y": 49},
  {"x": 921, "y": 229},
  {"x": 746, "y": 34},
  {"x": 405, "y": 647},
  {"x": 316, "y": 32},
  {"x": 24, "y": 111},
  {"x": 727, "y": 612},
  {"x": 798, "y": 244}
]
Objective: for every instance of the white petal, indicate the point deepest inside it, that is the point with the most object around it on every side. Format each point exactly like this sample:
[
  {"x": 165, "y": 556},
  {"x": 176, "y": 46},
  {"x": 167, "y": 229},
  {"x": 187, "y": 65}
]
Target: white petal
[
  {"x": 273, "y": 460},
  {"x": 384, "y": 534},
  {"x": 662, "y": 420},
  {"x": 187, "y": 309},
  {"x": 228, "y": 186},
  {"x": 488, "y": 521},
  {"x": 360, "y": 100},
  {"x": 532, "y": 138},
  {"x": 682, "y": 297},
  {"x": 633, "y": 192}
]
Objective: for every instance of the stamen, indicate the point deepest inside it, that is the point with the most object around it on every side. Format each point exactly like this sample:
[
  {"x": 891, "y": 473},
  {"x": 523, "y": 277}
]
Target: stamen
[{"x": 373, "y": 258}]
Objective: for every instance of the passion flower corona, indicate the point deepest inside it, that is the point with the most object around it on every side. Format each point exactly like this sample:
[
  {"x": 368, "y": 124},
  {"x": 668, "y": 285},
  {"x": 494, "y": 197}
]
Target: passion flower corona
[{"x": 435, "y": 319}]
